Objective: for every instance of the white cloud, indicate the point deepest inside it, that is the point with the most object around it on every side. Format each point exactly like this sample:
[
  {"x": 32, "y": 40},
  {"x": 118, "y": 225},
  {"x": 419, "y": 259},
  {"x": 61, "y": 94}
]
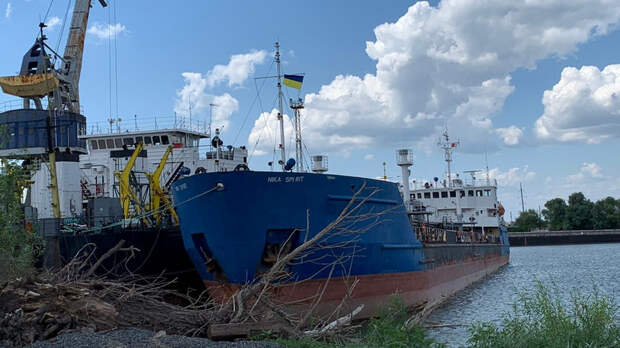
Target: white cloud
[
  {"x": 587, "y": 171},
  {"x": 52, "y": 22},
  {"x": 194, "y": 94},
  {"x": 450, "y": 63},
  {"x": 238, "y": 69},
  {"x": 510, "y": 135},
  {"x": 369, "y": 157},
  {"x": 589, "y": 179},
  {"x": 512, "y": 176},
  {"x": 104, "y": 32},
  {"x": 584, "y": 106},
  {"x": 265, "y": 135},
  {"x": 8, "y": 11}
]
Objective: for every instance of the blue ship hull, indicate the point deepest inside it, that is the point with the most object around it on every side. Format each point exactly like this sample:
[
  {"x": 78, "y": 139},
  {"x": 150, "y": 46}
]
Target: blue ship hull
[
  {"x": 234, "y": 224},
  {"x": 232, "y": 227}
]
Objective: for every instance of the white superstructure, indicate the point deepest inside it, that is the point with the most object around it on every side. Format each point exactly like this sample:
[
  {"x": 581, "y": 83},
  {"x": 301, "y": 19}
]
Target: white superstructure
[
  {"x": 93, "y": 176},
  {"x": 470, "y": 203},
  {"x": 110, "y": 152}
]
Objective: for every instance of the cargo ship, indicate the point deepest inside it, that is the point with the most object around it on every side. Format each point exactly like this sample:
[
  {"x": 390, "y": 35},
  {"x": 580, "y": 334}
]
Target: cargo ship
[{"x": 422, "y": 244}]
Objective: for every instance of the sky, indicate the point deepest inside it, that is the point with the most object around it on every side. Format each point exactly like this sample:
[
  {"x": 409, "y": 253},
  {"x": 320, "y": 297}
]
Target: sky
[{"x": 528, "y": 88}]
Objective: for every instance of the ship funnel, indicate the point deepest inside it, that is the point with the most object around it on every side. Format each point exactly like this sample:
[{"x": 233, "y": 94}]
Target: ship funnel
[
  {"x": 404, "y": 159},
  {"x": 319, "y": 164}
]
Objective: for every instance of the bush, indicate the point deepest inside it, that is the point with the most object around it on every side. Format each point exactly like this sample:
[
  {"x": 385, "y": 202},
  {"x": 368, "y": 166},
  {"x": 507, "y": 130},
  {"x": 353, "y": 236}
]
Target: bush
[
  {"x": 542, "y": 319},
  {"x": 388, "y": 330},
  {"x": 17, "y": 245}
]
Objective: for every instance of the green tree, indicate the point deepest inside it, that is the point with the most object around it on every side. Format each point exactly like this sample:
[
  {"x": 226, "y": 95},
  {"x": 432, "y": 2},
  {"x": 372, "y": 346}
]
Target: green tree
[
  {"x": 528, "y": 220},
  {"x": 606, "y": 213},
  {"x": 17, "y": 245},
  {"x": 555, "y": 214},
  {"x": 579, "y": 212}
]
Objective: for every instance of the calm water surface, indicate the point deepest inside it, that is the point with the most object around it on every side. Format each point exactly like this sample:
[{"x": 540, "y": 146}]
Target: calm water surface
[{"x": 568, "y": 266}]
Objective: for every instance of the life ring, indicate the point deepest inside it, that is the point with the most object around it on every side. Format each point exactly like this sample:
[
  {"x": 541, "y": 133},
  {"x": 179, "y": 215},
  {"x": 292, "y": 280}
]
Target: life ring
[{"x": 241, "y": 167}]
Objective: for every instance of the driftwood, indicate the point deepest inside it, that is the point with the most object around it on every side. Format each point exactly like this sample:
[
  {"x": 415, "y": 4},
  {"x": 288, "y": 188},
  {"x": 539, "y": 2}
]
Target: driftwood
[
  {"x": 74, "y": 299},
  {"x": 231, "y": 331},
  {"x": 423, "y": 311}
]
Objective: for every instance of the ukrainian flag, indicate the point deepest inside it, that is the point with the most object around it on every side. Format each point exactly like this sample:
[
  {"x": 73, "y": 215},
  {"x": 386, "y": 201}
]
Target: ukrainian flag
[{"x": 293, "y": 81}]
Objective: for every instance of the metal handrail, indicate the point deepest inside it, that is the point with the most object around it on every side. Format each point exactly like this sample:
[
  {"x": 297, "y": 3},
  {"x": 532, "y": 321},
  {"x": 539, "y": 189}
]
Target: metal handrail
[
  {"x": 18, "y": 104},
  {"x": 136, "y": 124}
]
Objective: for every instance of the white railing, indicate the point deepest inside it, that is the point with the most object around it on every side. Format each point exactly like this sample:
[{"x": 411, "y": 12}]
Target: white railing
[
  {"x": 478, "y": 182},
  {"x": 131, "y": 124},
  {"x": 18, "y": 104},
  {"x": 457, "y": 183}
]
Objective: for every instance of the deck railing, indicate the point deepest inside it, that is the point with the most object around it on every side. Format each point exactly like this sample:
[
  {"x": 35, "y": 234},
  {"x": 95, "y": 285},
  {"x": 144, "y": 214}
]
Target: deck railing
[
  {"x": 134, "y": 124},
  {"x": 18, "y": 104}
]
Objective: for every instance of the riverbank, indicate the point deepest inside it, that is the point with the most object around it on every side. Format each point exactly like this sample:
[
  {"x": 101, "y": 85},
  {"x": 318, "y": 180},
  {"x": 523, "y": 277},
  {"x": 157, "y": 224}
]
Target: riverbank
[
  {"x": 574, "y": 268},
  {"x": 563, "y": 237}
]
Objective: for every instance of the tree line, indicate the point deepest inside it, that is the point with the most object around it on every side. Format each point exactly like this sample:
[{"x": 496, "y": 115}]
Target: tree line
[{"x": 579, "y": 213}]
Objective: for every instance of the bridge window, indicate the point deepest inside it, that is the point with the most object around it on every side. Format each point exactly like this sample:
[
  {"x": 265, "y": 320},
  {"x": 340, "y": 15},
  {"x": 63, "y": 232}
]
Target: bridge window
[
  {"x": 435, "y": 194},
  {"x": 444, "y": 194},
  {"x": 147, "y": 140},
  {"x": 462, "y": 193},
  {"x": 156, "y": 140},
  {"x": 419, "y": 195},
  {"x": 452, "y": 194},
  {"x": 164, "y": 140},
  {"x": 93, "y": 145},
  {"x": 109, "y": 143},
  {"x": 101, "y": 144},
  {"x": 118, "y": 142},
  {"x": 487, "y": 193},
  {"x": 128, "y": 141},
  {"x": 139, "y": 140},
  {"x": 427, "y": 195},
  {"x": 470, "y": 193},
  {"x": 478, "y": 193}
]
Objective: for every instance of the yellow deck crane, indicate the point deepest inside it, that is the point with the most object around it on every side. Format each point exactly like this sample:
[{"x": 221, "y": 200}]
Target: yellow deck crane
[
  {"x": 127, "y": 195},
  {"x": 159, "y": 197}
]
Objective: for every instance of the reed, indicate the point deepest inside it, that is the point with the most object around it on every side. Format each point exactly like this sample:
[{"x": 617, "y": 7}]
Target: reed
[{"x": 543, "y": 318}]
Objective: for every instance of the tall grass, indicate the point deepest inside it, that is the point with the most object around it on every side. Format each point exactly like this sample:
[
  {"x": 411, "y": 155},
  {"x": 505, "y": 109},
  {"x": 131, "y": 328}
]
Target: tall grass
[
  {"x": 541, "y": 318},
  {"x": 386, "y": 330}
]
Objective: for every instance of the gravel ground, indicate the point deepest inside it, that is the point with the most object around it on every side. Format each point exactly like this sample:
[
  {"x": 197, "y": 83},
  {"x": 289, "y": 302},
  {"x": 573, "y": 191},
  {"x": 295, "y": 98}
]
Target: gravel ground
[{"x": 139, "y": 338}]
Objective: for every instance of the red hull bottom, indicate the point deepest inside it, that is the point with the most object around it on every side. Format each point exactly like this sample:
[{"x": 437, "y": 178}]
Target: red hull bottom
[{"x": 373, "y": 291}]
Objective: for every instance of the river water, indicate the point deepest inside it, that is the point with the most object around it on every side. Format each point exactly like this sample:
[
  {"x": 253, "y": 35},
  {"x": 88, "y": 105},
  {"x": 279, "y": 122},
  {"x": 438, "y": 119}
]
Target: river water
[{"x": 567, "y": 266}]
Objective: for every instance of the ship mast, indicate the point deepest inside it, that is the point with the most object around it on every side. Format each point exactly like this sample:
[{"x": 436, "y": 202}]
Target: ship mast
[
  {"x": 297, "y": 107},
  {"x": 447, "y": 147},
  {"x": 280, "y": 111}
]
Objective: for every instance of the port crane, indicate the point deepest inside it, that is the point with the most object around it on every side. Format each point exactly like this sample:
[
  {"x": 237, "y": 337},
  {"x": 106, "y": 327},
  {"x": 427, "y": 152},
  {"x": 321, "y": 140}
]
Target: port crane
[{"x": 39, "y": 78}]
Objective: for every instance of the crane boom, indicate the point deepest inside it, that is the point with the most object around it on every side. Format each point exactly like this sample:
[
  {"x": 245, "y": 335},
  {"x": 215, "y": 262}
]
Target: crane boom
[
  {"x": 126, "y": 193},
  {"x": 158, "y": 195},
  {"x": 74, "y": 49}
]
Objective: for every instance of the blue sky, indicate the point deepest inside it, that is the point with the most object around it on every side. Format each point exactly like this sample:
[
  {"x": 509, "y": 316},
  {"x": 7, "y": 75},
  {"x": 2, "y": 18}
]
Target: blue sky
[{"x": 406, "y": 70}]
